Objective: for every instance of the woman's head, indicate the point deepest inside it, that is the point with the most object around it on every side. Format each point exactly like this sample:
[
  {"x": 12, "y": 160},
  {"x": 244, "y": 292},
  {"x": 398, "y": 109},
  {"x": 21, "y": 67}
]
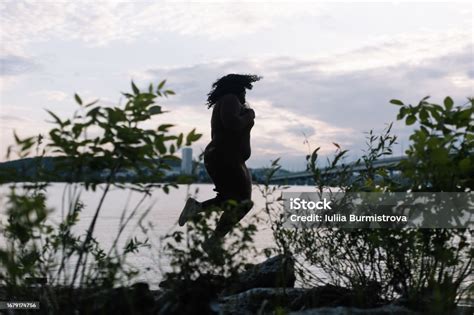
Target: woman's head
[{"x": 231, "y": 84}]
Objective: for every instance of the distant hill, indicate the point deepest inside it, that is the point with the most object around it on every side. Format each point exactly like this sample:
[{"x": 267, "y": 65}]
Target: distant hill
[{"x": 58, "y": 169}]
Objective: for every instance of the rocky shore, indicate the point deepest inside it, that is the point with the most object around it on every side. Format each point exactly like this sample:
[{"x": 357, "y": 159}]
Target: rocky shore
[{"x": 266, "y": 288}]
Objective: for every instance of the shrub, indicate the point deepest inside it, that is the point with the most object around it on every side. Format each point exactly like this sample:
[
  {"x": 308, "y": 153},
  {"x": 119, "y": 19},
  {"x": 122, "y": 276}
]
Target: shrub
[
  {"x": 427, "y": 268},
  {"x": 94, "y": 139}
]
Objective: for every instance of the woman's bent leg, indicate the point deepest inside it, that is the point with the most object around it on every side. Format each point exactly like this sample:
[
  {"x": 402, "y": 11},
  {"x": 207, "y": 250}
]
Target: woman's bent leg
[
  {"x": 217, "y": 172},
  {"x": 231, "y": 216},
  {"x": 240, "y": 186},
  {"x": 236, "y": 186},
  {"x": 212, "y": 203}
]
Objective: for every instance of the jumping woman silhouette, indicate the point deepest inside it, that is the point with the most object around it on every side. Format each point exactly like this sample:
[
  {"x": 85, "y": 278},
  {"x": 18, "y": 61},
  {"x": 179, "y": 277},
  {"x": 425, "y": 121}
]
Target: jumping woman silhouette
[{"x": 225, "y": 156}]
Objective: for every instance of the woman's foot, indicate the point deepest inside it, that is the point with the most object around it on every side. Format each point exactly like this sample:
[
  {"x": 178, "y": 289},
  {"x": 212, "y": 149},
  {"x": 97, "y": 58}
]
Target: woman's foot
[{"x": 191, "y": 208}]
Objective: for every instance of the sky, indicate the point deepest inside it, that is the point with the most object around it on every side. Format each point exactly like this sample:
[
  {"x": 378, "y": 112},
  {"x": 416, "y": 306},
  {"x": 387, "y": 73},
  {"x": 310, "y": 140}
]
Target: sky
[{"x": 329, "y": 68}]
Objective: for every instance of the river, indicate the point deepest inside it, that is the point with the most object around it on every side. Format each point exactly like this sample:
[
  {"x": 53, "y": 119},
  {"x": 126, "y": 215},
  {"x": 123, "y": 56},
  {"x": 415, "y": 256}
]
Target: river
[{"x": 164, "y": 210}]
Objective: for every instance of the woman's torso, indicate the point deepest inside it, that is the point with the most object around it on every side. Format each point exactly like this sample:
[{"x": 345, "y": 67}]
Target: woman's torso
[{"x": 228, "y": 143}]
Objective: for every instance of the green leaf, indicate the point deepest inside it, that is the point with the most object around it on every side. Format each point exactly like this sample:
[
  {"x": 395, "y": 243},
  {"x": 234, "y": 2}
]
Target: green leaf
[
  {"x": 436, "y": 115},
  {"x": 448, "y": 103},
  {"x": 424, "y": 115},
  {"x": 410, "y": 120},
  {"x": 465, "y": 165},
  {"x": 160, "y": 86},
  {"x": 135, "y": 89},
  {"x": 17, "y": 139},
  {"x": 192, "y": 137},
  {"x": 55, "y": 117},
  {"x": 402, "y": 113},
  {"x": 91, "y": 103},
  {"x": 160, "y": 146},
  {"x": 154, "y": 110},
  {"x": 397, "y": 102},
  {"x": 180, "y": 140},
  {"x": 197, "y": 137},
  {"x": 93, "y": 112},
  {"x": 164, "y": 127},
  {"x": 78, "y": 99}
]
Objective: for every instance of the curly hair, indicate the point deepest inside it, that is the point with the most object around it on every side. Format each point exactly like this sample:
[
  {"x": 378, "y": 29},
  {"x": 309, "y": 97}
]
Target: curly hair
[{"x": 230, "y": 84}]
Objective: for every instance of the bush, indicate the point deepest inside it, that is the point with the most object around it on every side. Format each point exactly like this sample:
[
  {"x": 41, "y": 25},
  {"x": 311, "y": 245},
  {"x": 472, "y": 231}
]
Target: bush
[
  {"x": 197, "y": 276},
  {"x": 94, "y": 139},
  {"x": 426, "y": 269}
]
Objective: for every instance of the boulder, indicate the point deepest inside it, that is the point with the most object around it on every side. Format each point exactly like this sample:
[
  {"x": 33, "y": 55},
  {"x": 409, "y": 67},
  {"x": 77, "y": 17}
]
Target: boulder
[
  {"x": 183, "y": 296},
  {"x": 331, "y": 295},
  {"x": 189, "y": 296},
  {"x": 258, "y": 300},
  {"x": 342, "y": 310},
  {"x": 275, "y": 272}
]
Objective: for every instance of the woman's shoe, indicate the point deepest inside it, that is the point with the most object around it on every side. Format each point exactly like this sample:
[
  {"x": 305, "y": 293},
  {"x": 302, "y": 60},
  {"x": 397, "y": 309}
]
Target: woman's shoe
[{"x": 191, "y": 208}]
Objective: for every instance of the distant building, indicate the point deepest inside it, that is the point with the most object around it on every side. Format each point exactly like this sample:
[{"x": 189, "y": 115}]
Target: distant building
[{"x": 187, "y": 161}]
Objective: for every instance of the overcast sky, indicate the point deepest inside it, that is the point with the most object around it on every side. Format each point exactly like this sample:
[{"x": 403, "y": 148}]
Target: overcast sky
[{"x": 329, "y": 69}]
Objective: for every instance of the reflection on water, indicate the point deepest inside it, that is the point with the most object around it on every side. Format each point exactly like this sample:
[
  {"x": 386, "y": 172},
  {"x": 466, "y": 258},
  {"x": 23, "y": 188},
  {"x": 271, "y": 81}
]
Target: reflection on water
[{"x": 164, "y": 210}]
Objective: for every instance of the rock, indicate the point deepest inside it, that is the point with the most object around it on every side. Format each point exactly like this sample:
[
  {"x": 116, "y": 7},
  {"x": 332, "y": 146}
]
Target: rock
[
  {"x": 200, "y": 296},
  {"x": 275, "y": 272},
  {"x": 342, "y": 310},
  {"x": 327, "y": 295},
  {"x": 121, "y": 300},
  {"x": 330, "y": 295},
  {"x": 464, "y": 310},
  {"x": 189, "y": 296},
  {"x": 208, "y": 281},
  {"x": 258, "y": 300},
  {"x": 31, "y": 281},
  {"x": 439, "y": 299}
]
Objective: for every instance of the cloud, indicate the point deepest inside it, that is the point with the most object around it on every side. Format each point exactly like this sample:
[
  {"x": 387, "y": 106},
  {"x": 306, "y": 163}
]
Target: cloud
[
  {"x": 98, "y": 23},
  {"x": 331, "y": 97},
  {"x": 305, "y": 87},
  {"x": 56, "y": 96},
  {"x": 12, "y": 118},
  {"x": 290, "y": 130},
  {"x": 15, "y": 65},
  {"x": 301, "y": 96},
  {"x": 281, "y": 123},
  {"x": 410, "y": 48}
]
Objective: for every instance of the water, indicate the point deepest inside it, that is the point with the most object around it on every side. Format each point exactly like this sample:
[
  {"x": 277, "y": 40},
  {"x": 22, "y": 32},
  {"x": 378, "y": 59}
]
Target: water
[
  {"x": 161, "y": 220},
  {"x": 164, "y": 210}
]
